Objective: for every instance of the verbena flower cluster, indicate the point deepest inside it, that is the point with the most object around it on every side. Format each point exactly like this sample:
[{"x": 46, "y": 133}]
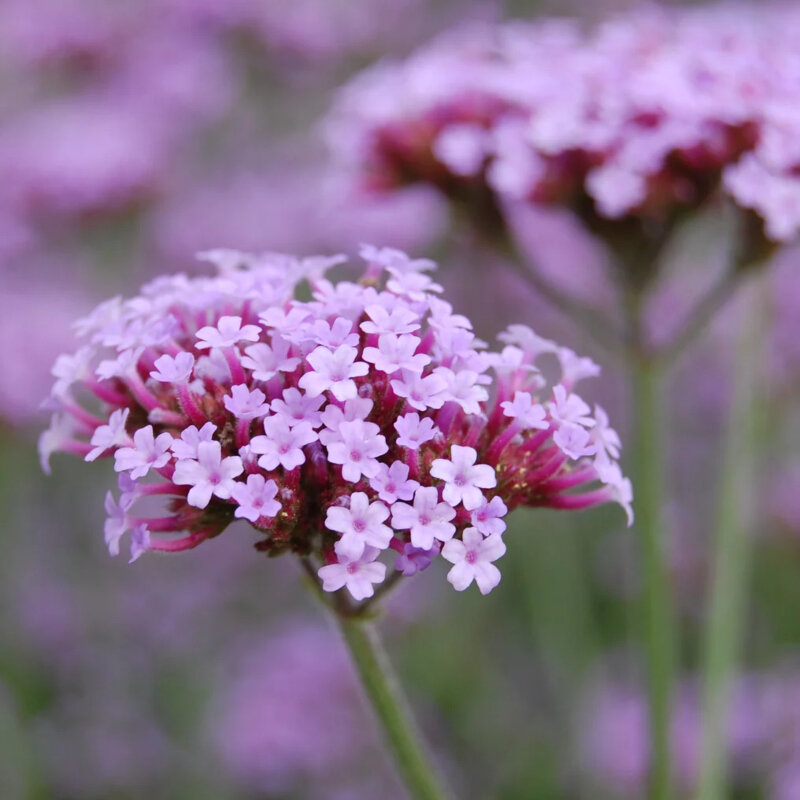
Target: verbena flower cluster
[
  {"x": 645, "y": 115},
  {"x": 367, "y": 422}
]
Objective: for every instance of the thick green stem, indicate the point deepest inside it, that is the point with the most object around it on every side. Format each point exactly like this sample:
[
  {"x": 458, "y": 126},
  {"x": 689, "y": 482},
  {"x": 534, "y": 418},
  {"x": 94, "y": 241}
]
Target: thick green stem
[
  {"x": 731, "y": 548},
  {"x": 387, "y": 701},
  {"x": 658, "y": 613}
]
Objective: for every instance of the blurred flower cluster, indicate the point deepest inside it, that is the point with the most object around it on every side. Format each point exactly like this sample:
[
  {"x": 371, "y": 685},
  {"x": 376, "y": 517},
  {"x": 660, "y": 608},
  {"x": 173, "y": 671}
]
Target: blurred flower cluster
[{"x": 644, "y": 116}]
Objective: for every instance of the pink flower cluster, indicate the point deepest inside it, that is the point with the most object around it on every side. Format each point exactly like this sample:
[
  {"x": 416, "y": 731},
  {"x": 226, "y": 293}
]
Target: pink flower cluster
[
  {"x": 367, "y": 422},
  {"x": 645, "y": 115}
]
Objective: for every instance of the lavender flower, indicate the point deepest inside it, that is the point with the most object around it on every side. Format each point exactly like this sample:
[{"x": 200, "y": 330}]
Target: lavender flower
[{"x": 321, "y": 451}]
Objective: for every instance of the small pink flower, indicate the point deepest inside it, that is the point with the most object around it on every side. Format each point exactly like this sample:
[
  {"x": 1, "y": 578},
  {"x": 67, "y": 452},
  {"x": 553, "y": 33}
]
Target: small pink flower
[
  {"x": 209, "y": 475},
  {"x": 255, "y": 498},
  {"x": 358, "y": 575},
  {"x": 567, "y": 407},
  {"x": 148, "y": 452},
  {"x": 334, "y": 335},
  {"x": 117, "y": 521},
  {"x": 267, "y": 361},
  {"x": 245, "y": 403},
  {"x": 472, "y": 558},
  {"x": 333, "y": 372},
  {"x": 413, "y": 432},
  {"x": 228, "y": 332},
  {"x": 140, "y": 542},
  {"x": 108, "y": 436},
  {"x": 488, "y": 517},
  {"x": 421, "y": 392},
  {"x": 398, "y": 320},
  {"x": 414, "y": 559},
  {"x": 394, "y": 353},
  {"x": 357, "y": 447},
  {"x": 283, "y": 444},
  {"x": 574, "y": 441},
  {"x": 392, "y": 482},
  {"x": 359, "y": 525},
  {"x": 177, "y": 369},
  {"x": 427, "y": 519},
  {"x": 296, "y": 407},
  {"x": 186, "y": 446},
  {"x": 604, "y": 437},
  {"x": 527, "y": 413},
  {"x": 463, "y": 478}
]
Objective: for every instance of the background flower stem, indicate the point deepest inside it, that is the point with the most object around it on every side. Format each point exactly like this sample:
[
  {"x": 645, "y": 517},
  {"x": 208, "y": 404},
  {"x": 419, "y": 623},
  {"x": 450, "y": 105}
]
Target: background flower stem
[
  {"x": 736, "y": 516},
  {"x": 386, "y": 698},
  {"x": 658, "y": 612}
]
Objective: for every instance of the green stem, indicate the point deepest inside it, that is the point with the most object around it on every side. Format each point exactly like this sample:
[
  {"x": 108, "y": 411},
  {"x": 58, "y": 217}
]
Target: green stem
[
  {"x": 658, "y": 612},
  {"x": 391, "y": 709},
  {"x": 735, "y": 518}
]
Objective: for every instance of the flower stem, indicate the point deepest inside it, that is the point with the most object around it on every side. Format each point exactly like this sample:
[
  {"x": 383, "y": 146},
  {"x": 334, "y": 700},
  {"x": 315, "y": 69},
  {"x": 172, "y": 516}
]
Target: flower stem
[
  {"x": 658, "y": 612},
  {"x": 735, "y": 518},
  {"x": 384, "y": 694}
]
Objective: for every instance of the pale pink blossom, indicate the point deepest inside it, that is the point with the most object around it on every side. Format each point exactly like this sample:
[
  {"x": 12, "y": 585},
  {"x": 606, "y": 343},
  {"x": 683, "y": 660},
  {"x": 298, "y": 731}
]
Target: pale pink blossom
[
  {"x": 360, "y": 525},
  {"x": 228, "y": 332},
  {"x": 427, "y": 519},
  {"x": 283, "y": 444},
  {"x": 191, "y": 437},
  {"x": 358, "y": 575},
  {"x": 463, "y": 478},
  {"x": 392, "y": 483},
  {"x": 255, "y": 498},
  {"x": 357, "y": 446},
  {"x": 414, "y": 431},
  {"x": 333, "y": 372},
  {"x": 147, "y": 452},
  {"x": 111, "y": 435},
  {"x": 209, "y": 475},
  {"x": 488, "y": 517},
  {"x": 472, "y": 558},
  {"x": 177, "y": 369},
  {"x": 527, "y": 413},
  {"x": 266, "y": 361}
]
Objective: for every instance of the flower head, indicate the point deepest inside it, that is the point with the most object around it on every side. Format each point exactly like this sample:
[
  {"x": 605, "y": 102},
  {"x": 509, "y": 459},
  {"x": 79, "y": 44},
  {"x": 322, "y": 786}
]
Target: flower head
[
  {"x": 231, "y": 399},
  {"x": 635, "y": 120}
]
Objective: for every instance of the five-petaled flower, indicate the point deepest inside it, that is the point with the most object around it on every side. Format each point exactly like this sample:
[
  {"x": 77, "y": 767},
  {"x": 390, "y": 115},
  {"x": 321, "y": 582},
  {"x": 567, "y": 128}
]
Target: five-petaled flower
[
  {"x": 472, "y": 558},
  {"x": 463, "y": 478},
  {"x": 209, "y": 474}
]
